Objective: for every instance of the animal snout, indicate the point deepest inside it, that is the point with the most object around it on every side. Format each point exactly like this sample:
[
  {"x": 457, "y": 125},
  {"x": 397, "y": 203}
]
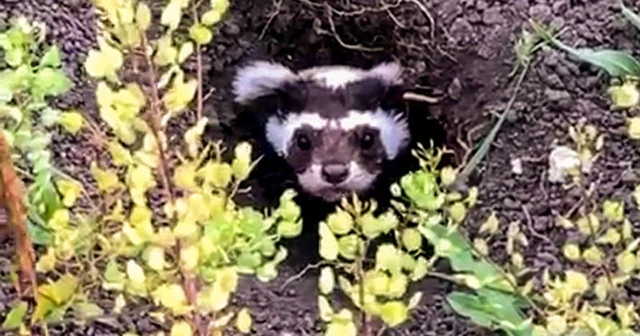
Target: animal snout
[{"x": 335, "y": 173}]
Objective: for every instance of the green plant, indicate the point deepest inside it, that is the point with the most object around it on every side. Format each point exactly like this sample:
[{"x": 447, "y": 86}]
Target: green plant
[
  {"x": 183, "y": 256},
  {"x": 31, "y": 75},
  {"x": 603, "y": 257},
  {"x": 622, "y": 66},
  {"x": 423, "y": 208}
]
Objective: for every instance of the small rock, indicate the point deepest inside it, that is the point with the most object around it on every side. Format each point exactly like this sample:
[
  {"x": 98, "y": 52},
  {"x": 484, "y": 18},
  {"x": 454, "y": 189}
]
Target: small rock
[
  {"x": 455, "y": 89},
  {"x": 510, "y": 203},
  {"x": 557, "y": 95},
  {"x": 492, "y": 16},
  {"x": 541, "y": 13},
  {"x": 232, "y": 29},
  {"x": 461, "y": 30},
  {"x": 516, "y": 166}
]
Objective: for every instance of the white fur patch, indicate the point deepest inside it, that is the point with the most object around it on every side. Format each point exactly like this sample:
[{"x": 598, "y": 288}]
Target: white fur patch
[
  {"x": 279, "y": 132},
  {"x": 258, "y": 79},
  {"x": 359, "y": 180},
  {"x": 394, "y": 130},
  {"x": 261, "y": 77},
  {"x": 336, "y": 76}
]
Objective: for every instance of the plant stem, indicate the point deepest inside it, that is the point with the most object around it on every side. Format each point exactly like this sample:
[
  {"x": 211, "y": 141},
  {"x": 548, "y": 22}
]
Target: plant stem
[
  {"x": 11, "y": 190},
  {"x": 486, "y": 143},
  {"x": 200, "y": 98},
  {"x": 189, "y": 281},
  {"x": 156, "y": 116},
  {"x": 360, "y": 279}
]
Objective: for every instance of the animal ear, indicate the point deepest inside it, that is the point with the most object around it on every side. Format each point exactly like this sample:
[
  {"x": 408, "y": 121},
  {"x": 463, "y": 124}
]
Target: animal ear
[
  {"x": 259, "y": 79},
  {"x": 382, "y": 86},
  {"x": 390, "y": 73}
]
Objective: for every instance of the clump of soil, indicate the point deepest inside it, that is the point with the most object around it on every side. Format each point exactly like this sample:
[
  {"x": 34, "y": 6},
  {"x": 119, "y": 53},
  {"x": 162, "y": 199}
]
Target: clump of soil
[{"x": 458, "y": 51}]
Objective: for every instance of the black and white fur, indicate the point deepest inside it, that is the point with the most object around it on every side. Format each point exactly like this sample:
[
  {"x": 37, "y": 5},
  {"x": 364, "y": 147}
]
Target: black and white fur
[{"x": 337, "y": 127}]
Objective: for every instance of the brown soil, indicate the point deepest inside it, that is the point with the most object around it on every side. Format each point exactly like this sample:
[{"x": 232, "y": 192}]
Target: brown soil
[{"x": 464, "y": 55}]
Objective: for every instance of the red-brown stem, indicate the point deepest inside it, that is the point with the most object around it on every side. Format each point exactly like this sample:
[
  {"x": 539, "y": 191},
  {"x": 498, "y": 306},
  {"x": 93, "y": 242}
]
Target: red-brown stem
[
  {"x": 11, "y": 190},
  {"x": 189, "y": 282},
  {"x": 199, "y": 71}
]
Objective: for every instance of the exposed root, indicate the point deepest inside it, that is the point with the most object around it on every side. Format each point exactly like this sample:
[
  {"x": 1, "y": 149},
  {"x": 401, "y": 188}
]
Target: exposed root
[
  {"x": 420, "y": 98},
  {"x": 278, "y": 5}
]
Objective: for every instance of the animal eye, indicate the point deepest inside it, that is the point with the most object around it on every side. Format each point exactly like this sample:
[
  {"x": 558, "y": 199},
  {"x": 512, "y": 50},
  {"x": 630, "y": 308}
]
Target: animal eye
[
  {"x": 303, "y": 142},
  {"x": 366, "y": 141}
]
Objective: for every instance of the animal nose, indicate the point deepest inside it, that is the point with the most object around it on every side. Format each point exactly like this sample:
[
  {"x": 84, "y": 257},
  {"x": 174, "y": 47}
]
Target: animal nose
[{"x": 335, "y": 173}]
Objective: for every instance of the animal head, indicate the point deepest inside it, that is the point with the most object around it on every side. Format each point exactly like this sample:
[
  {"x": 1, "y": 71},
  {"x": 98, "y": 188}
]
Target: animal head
[{"x": 336, "y": 126}]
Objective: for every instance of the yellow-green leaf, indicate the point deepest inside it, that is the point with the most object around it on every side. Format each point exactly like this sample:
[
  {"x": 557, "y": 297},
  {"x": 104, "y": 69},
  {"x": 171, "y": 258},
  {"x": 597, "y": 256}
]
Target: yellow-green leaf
[
  {"x": 155, "y": 258},
  {"x": 192, "y": 137},
  {"x": 171, "y": 296},
  {"x": 243, "y": 321},
  {"x": 602, "y": 288},
  {"x": 388, "y": 257},
  {"x": 179, "y": 94},
  {"x": 211, "y": 17},
  {"x": 119, "y": 154},
  {"x": 326, "y": 281},
  {"x": 481, "y": 246},
  {"x": 200, "y": 34},
  {"x": 143, "y": 16},
  {"x": 613, "y": 210},
  {"x": 135, "y": 272},
  {"x": 341, "y": 328},
  {"x": 190, "y": 256},
  {"x": 490, "y": 225},
  {"x": 397, "y": 286},
  {"x": 186, "y": 49},
  {"x": 626, "y": 314},
  {"x": 589, "y": 224},
  {"x": 447, "y": 175},
  {"x": 626, "y": 262},
  {"x": 411, "y": 239},
  {"x": 107, "y": 179},
  {"x": 181, "y": 328},
  {"x": 166, "y": 53},
  {"x": 577, "y": 281},
  {"x": 171, "y": 15},
  {"x": 571, "y": 252},
  {"x": 70, "y": 191},
  {"x": 105, "y": 62},
  {"x": 15, "y": 316},
  {"x": 625, "y": 95},
  {"x": 633, "y": 127},
  {"x": 539, "y": 331},
  {"x": 328, "y": 243},
  {"x": 593, "y": 256},
  {"x": 457, "y": 212},
  {"x": 324, "y": 308},
  {"x": 47, "y": 261},
  {"x": 71, "y": 121},
  {"x": 289, "y": 229},
  {"x": 221, "y": 174},
  {"x": 556, "y": 325},
  {"x": 611, "y": 237},
  {"x": 394, "y": 313},
  {"x": 184, "y": 176},
  {"x": 340, "y": 222}
]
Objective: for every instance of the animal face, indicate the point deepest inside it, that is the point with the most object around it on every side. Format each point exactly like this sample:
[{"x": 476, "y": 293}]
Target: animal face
[{"x": 335, "y": 126}]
